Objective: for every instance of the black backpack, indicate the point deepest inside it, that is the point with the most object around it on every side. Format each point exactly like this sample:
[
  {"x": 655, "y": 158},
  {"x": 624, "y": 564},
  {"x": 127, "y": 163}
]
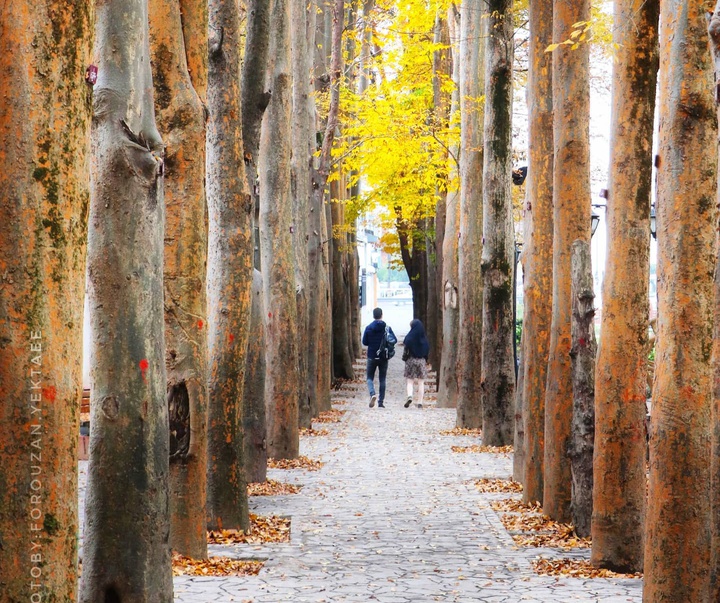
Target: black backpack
[{"x": 387, "y": 345}]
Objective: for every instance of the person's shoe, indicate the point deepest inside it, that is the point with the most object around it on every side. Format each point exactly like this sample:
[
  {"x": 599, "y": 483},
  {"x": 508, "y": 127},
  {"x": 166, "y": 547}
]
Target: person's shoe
[
  {"x": 381, "y": 405},
  {"x": 419, "y": 405},
  {"x": 372, "y": 400},
  {"x": 408, "y": 402}
]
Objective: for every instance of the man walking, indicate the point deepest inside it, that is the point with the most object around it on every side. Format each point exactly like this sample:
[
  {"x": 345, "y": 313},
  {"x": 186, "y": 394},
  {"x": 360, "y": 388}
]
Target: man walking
[{"x": 380, "y": 341}]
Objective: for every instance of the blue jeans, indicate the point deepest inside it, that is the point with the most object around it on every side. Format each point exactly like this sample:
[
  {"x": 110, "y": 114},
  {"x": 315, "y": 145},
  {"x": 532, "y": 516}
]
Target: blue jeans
[{"x": 372, "y": 364}]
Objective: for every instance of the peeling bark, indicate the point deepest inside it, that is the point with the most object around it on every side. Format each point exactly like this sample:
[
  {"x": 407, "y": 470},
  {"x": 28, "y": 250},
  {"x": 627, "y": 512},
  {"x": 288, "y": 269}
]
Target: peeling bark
[
  {"x": 582, "y": 354},
  {"x": 230, "y": 272},
  {"x": 127, "y": 492}
]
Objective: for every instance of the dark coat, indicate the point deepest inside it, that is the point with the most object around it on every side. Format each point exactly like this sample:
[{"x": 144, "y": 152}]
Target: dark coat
[
  {"x": 416, "y": 342},
  {"x": 373, "y": 336}
]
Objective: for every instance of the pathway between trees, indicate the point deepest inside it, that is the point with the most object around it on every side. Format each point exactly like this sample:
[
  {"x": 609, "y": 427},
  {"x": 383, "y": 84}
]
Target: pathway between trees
[{"x": 394, "y": 517}]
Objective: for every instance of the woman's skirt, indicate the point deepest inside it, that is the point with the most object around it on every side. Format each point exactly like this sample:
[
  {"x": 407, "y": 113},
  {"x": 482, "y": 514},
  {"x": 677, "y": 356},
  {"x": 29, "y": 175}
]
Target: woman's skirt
[{"x": 416, "y": 368}]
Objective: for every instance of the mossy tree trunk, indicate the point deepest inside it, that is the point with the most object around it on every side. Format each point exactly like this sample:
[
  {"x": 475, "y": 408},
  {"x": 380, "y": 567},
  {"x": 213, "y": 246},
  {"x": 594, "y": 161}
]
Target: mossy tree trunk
[
  {"x": 498, "y": 252},
  {"x": 127, "y": 491},
  {"x": 181, "y": 119},
  {"x": 229, "y": 272},
  {"x": 44, "y": 127}
]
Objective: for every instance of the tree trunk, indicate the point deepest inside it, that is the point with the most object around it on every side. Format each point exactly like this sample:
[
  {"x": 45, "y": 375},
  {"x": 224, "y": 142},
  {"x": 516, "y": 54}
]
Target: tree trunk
[
  {"x": 714, "y": 32},
  {"x": 678, "y": 539},
  {"x": 342, "y": 358},
  {"x": 355, "y": 298},
  {"x": 129, "y": 450},
  {"x": 470, "y": 244},
  {"x": 181, "y": 119},
  {"x": 582, "y": 354},
  {"x": 276, "y": 247},
  {"x": 538, "y": 248},
  {"x": 448, "y": 376},
  {"x": 301, "y": 193},
  {"x": 498, "y": 254},
  {"x": 44, "y": 126},
  {"x": 621, "y": 374},
  {"x": 519, "y": 432},
  {"x": 254, "y": 426},
  {"x": 442, "y": 70},
  {"x": 230, "y": 270},
  {"x": 255, "y": 99},
  {"x": 571, "y": 199}
]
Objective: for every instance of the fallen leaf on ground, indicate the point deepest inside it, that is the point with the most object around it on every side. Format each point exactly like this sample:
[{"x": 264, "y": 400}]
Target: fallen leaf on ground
[
  {"x": 476, "y": 448},
  {"x": 262, "y": 530},
  {"x": 498, "y": 485},
  {"x": 330, "y": 416},
  {"x": 575, "y": 568},
  {"x": 215, "y": 566},
  {"x": 271, "y": 487},
  {"x": 312, "y": 433},
  {"x": 462, "y": 431},
  {"x": 513, "y": 505},
  {"x": 302, "y": 462},
  {"x": 541, "y": 531}
]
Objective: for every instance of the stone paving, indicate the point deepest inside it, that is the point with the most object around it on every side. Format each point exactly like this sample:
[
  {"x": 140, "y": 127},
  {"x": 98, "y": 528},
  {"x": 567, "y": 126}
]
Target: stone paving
[{"x": 393, "y": 517}]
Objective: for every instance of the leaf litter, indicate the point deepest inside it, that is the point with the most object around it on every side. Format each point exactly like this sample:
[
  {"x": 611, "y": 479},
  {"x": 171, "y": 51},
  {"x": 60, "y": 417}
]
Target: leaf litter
[
  {"x": 313, "y": 433},
  {"x": 506, "y": 450},
  {"x": 270, "y": 529},
  {"x": 575, "y": 568},
  {"x": 302, "y": 462},
  {"x": 330, "y": 416},
  {"x": 462, "y": 431},
  {"x": 498, "y": 485},
  {"x": 271, "y": 487},
  {"x": 214, "y": 566}
]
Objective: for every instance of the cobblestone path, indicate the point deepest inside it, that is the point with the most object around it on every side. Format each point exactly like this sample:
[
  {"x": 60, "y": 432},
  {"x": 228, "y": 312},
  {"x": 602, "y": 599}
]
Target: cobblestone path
[{"x": 394, "y": 517}]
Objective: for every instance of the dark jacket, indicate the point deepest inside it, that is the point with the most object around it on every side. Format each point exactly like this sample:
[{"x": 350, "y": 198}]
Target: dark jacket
[
  {"x": 416, "y": 342},
  {"x": 373, "y": 336}
]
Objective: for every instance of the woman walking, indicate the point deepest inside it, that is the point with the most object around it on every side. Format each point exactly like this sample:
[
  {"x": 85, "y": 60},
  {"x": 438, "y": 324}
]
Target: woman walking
[{"x": 415, "y": 356}]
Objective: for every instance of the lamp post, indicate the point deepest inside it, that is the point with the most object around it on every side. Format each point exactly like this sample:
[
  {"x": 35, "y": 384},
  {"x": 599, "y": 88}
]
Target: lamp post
[
  {"x": 518, "y": 249},
  {"x": 653, "y": 222}
]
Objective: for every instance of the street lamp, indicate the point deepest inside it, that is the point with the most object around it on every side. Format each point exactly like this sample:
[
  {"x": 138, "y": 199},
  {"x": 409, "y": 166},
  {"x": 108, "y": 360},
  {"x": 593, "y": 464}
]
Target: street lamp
[
  {"x": 653, "y": 223},
  {"x": 594, "y": 222}
]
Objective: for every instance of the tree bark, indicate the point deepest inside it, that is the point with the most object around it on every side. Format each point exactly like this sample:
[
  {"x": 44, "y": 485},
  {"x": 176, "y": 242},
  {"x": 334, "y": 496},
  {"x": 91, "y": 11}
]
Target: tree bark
[
  {"x": 498, "y": 253},
  {"x": 127, "y": 498},
  {"x": 301, "y": 193},
  {"x": 44, "y": 128},
  {"x": 448, "y": 376},
  {"x": 537, "y": 248},
  {"x": 230, "y": 270},
  {"x": 341, "y": 344},
  {"x": 254, "y": 426},
  {"x": 181, "y": 119},
  {"x": 470, "y": 234},
  {"x": 678, "y": 539},
  {"x": 582, "y": 354},
  {"x": 442, "y": 70},
  {"x": 714, "y": 33},
  {"x": 571, "y": 199},
  {"x": 519, "y": 450},
  {"x": 621, "y": 374},
  {"x": 319, "y": 254},
  {"x": 281, "y": 381},
  {"x": 255, "y": 99}
]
